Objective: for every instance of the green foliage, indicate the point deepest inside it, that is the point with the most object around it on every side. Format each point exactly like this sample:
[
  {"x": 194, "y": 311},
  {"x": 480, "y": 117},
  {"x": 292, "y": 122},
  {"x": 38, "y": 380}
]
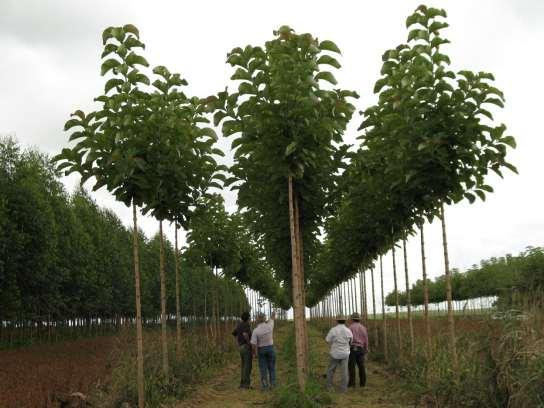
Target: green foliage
[
  {"x": 429, "y": 140},
  {"x": 62, "y": 257},
  {"x": 285, "y": 123},
  {"x": 506, "y": 277},
  {"x": 197, "y": 361},
  {"x": 501, "y": 364},
  {"x": 289, "y": 394}
]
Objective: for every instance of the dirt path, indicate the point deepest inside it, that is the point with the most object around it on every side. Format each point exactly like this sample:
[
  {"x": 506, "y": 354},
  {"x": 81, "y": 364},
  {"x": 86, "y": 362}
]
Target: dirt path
[
  {"x": 381, "y": 390},
  {"x": 222, "y": 390}
]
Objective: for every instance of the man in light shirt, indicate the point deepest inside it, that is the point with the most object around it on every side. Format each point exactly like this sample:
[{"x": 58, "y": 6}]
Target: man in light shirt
[
  {"x": 339, "y": 338},
  {"x": 262, "y": 342},
  {"x": 359, "y": 347}
]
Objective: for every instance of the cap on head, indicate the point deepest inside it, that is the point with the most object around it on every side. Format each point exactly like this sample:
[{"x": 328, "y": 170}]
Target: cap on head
[
  {"x": 341, "y": 319},
  {"x": 355, "y": 316},
  {"x": 261, "y": 317}
]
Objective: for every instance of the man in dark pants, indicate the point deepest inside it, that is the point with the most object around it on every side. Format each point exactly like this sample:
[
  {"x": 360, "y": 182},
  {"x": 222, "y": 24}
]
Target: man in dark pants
[
  {"x": 243, "y": 336},
  {"x": 358, "y": 349}
]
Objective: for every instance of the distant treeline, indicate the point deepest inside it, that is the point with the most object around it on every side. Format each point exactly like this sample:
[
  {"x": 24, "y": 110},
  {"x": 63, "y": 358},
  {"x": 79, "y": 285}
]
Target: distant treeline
[
  {"x": 507, "y": 277},
  {"x": 63, "y": 258}
]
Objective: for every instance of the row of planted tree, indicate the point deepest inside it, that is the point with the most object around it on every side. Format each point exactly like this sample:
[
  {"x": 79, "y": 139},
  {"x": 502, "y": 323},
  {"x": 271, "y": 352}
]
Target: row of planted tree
[
  {"x": 66, "y": 262},
  {"x": 429, "y": 141}
]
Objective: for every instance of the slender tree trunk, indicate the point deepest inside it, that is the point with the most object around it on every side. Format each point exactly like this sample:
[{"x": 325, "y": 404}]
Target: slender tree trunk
[
  {"x": 408, "y": 298},
  {"x": 384, "y": 318},
  {"x": 374, "y": 307},
  {"x": 397, "y": 317},
  {"x": 425, "y": 294},
  {"x": 178, "y": 309},
  {"x": 300, "y": 247},
  {"x": 361, "y": 290},
  {"x": 365, "y": 299},
  {"x": 451, "y": 321},
  {"x": 139, "y": 341},
  {"x": 164, "y": 340},
  {"x": 353, "y": 294},
  {"x": 298, "y": 295}
]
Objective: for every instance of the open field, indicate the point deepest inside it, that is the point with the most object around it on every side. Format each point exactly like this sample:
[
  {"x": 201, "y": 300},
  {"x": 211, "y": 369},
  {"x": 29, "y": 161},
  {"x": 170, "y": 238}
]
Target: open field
[{"x": 31, "y": 376}]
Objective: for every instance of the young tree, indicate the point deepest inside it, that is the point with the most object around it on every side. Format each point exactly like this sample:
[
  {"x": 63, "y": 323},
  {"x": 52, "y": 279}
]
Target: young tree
[
  {"x": 113, "y": 143},
  {"x": 289, "y": 128}
]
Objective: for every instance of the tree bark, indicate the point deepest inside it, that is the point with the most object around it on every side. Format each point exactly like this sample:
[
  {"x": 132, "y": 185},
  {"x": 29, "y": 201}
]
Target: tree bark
[
  {"x": 298, "y": 295},
  {"x": 451, "y": 321},
  {"x": 365, "y": 299},
  {"x": 408, "y": 299},
  {"x": 164, "y": 341},
  {"x": 178, "y": 308},
  {"x": 397, "y": 317},
  {"x": 361, "y": 290},
  {"x": 425, "y": 294},
  {"x": 139, "y": 340},
  {"x": 300, "y": 247},
  {"x": 374, "y": 307},
  {"x": 384, "y": 318}
]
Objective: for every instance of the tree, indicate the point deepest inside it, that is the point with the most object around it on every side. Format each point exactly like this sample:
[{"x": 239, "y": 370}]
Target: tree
[
  {"x": 113, "y": 143},
  {"x": 287, "y": 154}
]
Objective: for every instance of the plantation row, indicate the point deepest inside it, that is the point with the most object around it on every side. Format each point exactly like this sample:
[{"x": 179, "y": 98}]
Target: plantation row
[
  {"x": 67, "y": 262},
  {"x": 503, "y": 277}
]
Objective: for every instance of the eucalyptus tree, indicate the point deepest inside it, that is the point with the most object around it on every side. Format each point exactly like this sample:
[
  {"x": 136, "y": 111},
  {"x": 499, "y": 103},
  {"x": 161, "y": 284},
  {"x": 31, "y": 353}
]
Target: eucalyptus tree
[{"x": 289, "y": 130}]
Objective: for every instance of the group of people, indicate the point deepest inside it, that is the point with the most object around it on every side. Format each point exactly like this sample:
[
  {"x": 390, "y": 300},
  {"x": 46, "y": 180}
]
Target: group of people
[
  {"x": 348, "y": 347},
  {"x": 257, "y": 343}
]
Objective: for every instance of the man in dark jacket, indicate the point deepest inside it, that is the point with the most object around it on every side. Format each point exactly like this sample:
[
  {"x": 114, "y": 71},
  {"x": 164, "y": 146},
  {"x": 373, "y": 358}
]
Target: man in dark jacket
[{"x": 243, "y": 336}]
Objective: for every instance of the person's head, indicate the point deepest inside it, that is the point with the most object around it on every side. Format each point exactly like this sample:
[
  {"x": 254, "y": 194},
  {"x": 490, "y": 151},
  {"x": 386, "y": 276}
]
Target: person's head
[
  {"x": 355, "y": 317},
  {"x": 261, "y": 318},
  {"x": 341, "y": 320},
  {"x": 245, "y": 316}
]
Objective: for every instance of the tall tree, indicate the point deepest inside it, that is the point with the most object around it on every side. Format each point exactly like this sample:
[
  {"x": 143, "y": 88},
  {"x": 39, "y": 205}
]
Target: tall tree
[{"x": 289, "y": 129}]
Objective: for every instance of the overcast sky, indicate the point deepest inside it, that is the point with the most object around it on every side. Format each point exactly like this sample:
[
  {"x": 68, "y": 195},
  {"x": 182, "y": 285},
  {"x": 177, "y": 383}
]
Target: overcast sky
[{"x": 49, "y": 67}]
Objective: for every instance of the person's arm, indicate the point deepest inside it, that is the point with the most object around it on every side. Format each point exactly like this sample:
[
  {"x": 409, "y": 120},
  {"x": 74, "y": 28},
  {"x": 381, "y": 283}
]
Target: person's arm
[
  {"x": 253, "y": 344},
  {"x": 329, "y": 337}
]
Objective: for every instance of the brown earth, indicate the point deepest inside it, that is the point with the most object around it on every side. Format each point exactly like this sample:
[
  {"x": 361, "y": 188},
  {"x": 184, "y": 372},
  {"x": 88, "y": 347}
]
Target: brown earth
[{"x": 31, "y": 376}]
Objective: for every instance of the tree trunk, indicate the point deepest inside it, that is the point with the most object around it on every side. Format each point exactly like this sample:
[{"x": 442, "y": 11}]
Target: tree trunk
[
  {"x": 300, "y": 247},
  {"x": 178, "y": 309},
  {"x": 408, "y": 298},
  {"x": 425, "y": 294},
  {"x": 451, "y": 322},
  {"x": 361, "y": 290},
  {"x": 354, "y": 289},
  {"x": 164, "y": 340},
  {"x": 397, "y": 317},
  {"x": 139, "y": 341},
  {"x": 374, "y": 307},
  {"x": 298, "y": 295},
  {"x": 384, "y": 318},
  {"x": 365, "y": 299}
]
